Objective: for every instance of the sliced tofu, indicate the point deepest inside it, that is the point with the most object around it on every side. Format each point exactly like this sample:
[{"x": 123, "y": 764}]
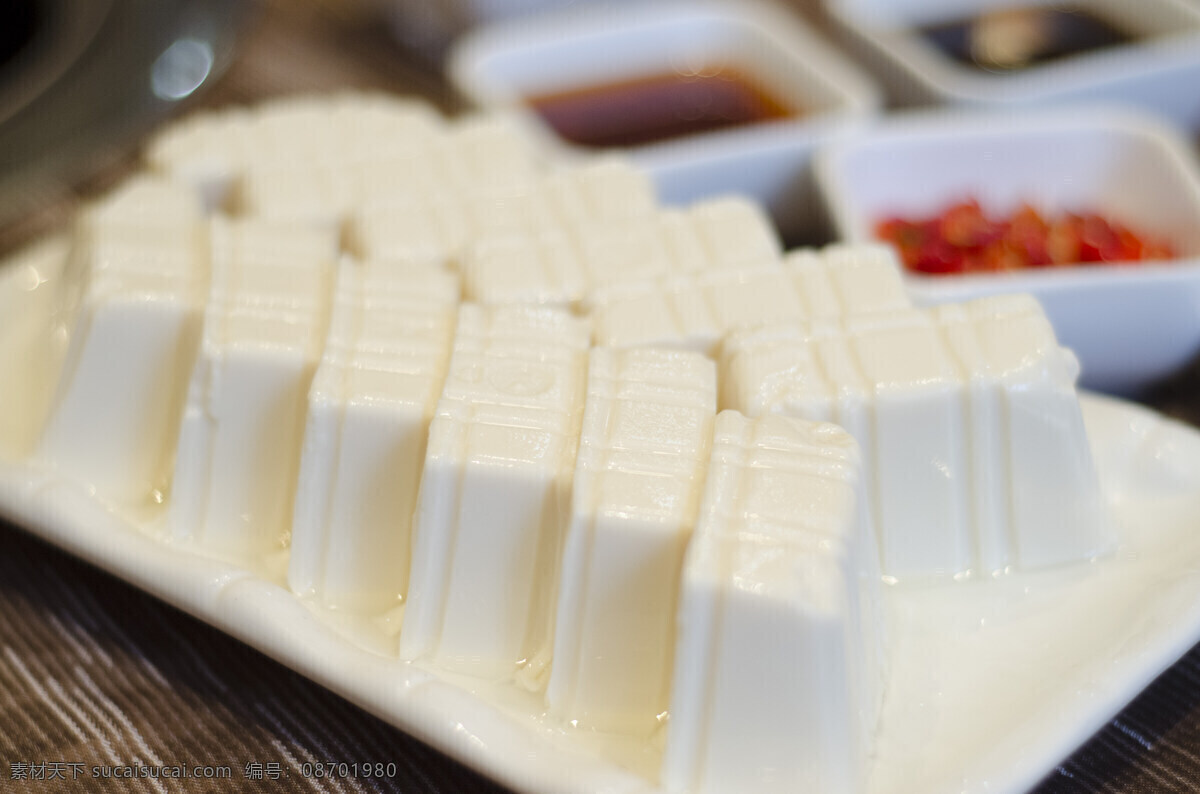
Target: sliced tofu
[
  {"x": 140, "y": 273},
  {"x": 264, "y": 329},
  {"x": 775, "y": 684},
  {"x": 647, "y": 430},
  {"x": 369, "y": 410},
  {"x": 695, "y": 311},
  {"x": 976, "y": 454},
  {"x": 492, "y": 507}
]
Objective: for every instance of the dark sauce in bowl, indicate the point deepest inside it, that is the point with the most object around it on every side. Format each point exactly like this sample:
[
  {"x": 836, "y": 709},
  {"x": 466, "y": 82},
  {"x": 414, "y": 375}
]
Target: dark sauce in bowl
[
  {"x": 1009, "y": 40},
  {"x": 659, "y": 107}
]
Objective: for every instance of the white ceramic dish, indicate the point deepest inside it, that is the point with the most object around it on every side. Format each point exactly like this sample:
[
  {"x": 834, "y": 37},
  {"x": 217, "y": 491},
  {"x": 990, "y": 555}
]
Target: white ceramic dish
[
  {"x": 1155, "y": 73},
  {"x": 1128, "y": 325},
  {"x": 991, "y": 685},
  {"x": 498, "y": 66}
]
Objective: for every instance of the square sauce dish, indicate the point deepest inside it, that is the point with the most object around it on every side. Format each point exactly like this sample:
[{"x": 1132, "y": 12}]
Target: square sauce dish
[
  {"x": 1027, "y": 53},
  {"x": 1130, "y": 323},
  {"x": 707, "y": 97}
]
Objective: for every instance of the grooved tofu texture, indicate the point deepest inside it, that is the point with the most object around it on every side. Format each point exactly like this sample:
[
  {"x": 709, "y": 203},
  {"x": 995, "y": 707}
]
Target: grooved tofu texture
[
  {"x": 976, "y": 455},
  {"x": 369, "y": 410},
  {"x": 492, "y": 506},
  {"x": 775, "y": 684},
  {"x": 36, "y": 301},
  {"x": 138, "y": 271},
  {"x": 428, "y": 219},
  {"x": 264, "y": 329},
  {"x": 647, "y": 428},
  {"x": 695, "y": 311},
  {"x": 564, "y": 265}
]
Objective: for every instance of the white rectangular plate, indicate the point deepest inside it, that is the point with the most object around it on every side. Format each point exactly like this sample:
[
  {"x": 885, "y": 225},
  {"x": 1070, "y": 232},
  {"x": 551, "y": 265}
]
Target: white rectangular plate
[{"x": 990, "y": 684}]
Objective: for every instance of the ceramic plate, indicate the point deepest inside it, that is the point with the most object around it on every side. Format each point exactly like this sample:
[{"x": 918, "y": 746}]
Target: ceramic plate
[{"x": 991, "y": 683}]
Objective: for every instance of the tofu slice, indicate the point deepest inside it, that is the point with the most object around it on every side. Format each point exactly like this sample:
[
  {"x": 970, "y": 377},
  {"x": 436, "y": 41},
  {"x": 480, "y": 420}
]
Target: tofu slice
[
  {"x": 976, "y": 455},
  {"x": 264, "y": 328},
  {"x": 280, "y": 159},
  {"x": 1045, "y": 506},
  {"x": 735, "y": 231},
  {"x": 205, "y": 152},
  {"x": 36, "y": 302},
  {"x": 139, "y": 273},
  {"x": 776, "y": 682},
  {"x": 565, "y": 262},
  {"x": 603, "y": 190},
  {"x": 695, "y": 311},
  {"x": 647, "y": 429},
  {"x": 492, "y": 506},
  {"x": 488, "y": 152},
  {"x": 541, "y": 269},
  {"x": 369, "y": 410}
]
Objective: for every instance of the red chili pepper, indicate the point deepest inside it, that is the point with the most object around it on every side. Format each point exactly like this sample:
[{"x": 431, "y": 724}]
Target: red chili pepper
[{"x": 963, "y": 239}]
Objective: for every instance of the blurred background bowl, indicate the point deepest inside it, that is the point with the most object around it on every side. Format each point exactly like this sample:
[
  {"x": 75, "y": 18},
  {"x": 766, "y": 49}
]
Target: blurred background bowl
[{"x": 908, "y": 45}]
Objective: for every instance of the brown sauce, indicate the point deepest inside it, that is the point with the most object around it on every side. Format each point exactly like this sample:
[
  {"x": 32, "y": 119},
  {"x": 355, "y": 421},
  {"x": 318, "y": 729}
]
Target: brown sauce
[
  {"x": 658, "y": 107},
  {"x": 1009, "y": 40}
]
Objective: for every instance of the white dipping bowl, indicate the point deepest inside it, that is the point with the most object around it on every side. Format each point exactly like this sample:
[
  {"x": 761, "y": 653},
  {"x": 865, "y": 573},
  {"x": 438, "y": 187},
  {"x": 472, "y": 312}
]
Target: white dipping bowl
[
  {"x": 1157, "y": 72},
  {"x": 1130, "y": 325},
  {"x": 499, "y": 66}
]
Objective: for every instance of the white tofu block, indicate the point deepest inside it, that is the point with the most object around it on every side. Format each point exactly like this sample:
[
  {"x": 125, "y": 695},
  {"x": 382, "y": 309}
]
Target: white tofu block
[
  {"x": 866, "y": 278},
  {"x": 625, "y": 251},
  {"x": 735, "y": 231},
  {"x": 369, "y": 411},
  {"x": 402, "y": 177},
  {"x": 522, "y": 332},
  {"x": 694, "y": 311},
  {"x": 409, "y": 227},
  {"x": 566, "y": 260},
  {"x": 372, "y": 128},
  {"x": 296, "y": 158},
  {"x": 36, "y": 302},
  {"x": 347, "y": 129},
  {"x": 776, "y": 682},
  {"x": 524, "y": 268},
  {"x": 920, "y": 474},
  {"x": 669, "y": 312},
  {"x": 519, "y": 208},
  {"x": 1024, "y": 411},
  {"x": 686, "y": 248},
  {"x": 561, "y": 202},
  {"x": 488, "y": 152},
  {"x": 264, "y": 328},
  {"x": 843, "y": 280},
  {"x": 751, "y": 296},
  {"x": 205, "y": 152},
  {"x": 558, "y": 266},
  {"x": 140, "y": 258},
  {"x": 145, "y": 203},
  {"x": 419, "y": 212},
  {"x": 492, "y": 506},
  {"x": 647, "y": 429},
  {"x": 321, "y": 197},
  {"x": 600, "y": 191},
  {"x": 976, "y": 456},
  {"x": 899, "y": 391}
]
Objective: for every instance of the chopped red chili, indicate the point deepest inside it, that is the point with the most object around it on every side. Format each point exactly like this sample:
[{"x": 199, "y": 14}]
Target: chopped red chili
[{"x": 962, "y": 239}]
